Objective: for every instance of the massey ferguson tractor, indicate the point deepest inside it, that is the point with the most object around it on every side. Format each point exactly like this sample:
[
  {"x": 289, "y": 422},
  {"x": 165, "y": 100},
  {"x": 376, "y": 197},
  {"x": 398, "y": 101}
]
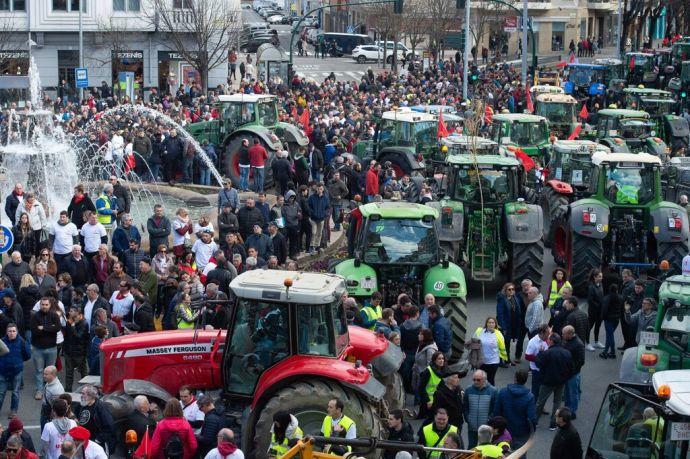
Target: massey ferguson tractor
[
  {"x": 288, "y": 348},
  {"x": 624, "y": 223}
]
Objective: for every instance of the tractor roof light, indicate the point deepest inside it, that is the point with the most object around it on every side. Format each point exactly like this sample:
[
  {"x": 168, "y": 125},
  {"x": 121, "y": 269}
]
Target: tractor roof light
[
  {"x": 664, "y": 265},
  {"x": 444, "y": 149},
  {"x": 664, "y": 391},
  {"x": 287, "y": 282},
  {"x": 131, "y": 437}
]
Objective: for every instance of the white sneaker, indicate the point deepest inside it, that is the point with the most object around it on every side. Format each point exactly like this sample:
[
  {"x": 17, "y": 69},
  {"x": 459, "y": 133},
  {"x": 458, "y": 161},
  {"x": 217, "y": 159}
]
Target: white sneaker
[
  {"x": 590, "y": 348},
  {"x": 598, "y": 345}
]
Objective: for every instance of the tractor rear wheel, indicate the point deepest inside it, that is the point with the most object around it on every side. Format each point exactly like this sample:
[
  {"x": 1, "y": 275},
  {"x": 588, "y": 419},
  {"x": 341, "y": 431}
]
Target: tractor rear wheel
[
  {"x": 589, "y": 254},
  {"x": 455, "y": 310},
  {"x": 395, "y": 392},
  {"x": 231, "y": 157},
  {"x": 307, "y": 401},
  {"x": 527, "y": 262},
  {"x": 551, "y": 204},
  {"x": 673, "y": 252}
]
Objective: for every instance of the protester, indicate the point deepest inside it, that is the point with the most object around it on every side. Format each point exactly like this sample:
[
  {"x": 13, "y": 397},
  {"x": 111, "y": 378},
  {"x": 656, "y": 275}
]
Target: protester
[{"x": 478, "y": 403}]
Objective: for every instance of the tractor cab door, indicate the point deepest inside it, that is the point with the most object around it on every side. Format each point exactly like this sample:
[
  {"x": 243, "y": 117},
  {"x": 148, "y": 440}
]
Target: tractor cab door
[
  {"x": 630, "y": 425},
  {"x": 235, "y": 115},
  {"x": 257, "y": 340}
]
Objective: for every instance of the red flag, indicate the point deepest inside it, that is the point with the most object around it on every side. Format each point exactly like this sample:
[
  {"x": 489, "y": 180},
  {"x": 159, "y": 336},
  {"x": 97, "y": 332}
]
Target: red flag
[
  {"x": 294, "y": 112},
  {"x": 527, "y": 162},
  {"x": 632, "y": 63},
  {"x": 442, "y": 129},
  {"x": 561, "y": 64},
  {"x": 144, "y": 449},
  {"x": 584, "y": 114},
  {"x": 528, "y": 97},
  {"x": 304, "y": 121},
  {"x": 576, "y": 132},
  {"x": 488, "y": 114},
  {"x": 572, "y": 58}
]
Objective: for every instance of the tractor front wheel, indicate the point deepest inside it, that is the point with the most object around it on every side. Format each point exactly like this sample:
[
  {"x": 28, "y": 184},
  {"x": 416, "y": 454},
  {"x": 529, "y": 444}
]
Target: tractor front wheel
[
  {"x": 455, "y": 310},
  {"x": 585, "y": 254},
  {"x": 527, "y": 262},
  {"x": 307, "y": 401},
  {"x": 395, "y": 392}
]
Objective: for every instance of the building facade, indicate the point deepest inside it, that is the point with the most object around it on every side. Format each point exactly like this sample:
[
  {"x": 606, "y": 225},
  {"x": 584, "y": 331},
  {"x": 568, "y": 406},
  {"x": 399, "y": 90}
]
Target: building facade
[{"x": 119, "y": 36}]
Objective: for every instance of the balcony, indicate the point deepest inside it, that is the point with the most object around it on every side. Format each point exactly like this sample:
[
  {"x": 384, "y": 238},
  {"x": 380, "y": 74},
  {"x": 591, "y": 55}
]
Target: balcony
[
  {"x": 602, "y": 4},
  {"x": 531, "y": 4},
  {"x": 538, "y": 5}
]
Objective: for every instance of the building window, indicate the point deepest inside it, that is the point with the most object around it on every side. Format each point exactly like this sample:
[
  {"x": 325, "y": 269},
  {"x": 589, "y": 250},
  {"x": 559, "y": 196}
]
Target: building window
[
  {"x": 127, "y": 5},
  {"x": 67, "y": 62},
  {"x": 69, "y": 5},
  {"x": 182, "y": 4},
  {"x": 557, "y": 36},
  {"x": 12, "y": 5}
]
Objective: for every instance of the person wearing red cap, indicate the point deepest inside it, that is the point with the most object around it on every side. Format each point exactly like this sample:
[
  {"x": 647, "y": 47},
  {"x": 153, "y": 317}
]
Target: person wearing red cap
[
  {"x": 16, "y": 427},
  {"x": 89, "y": 449}
]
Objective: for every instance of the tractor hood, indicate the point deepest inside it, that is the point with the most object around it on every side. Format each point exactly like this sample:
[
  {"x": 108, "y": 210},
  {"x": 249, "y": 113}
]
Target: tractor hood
[{"x": 367, "y": 346}]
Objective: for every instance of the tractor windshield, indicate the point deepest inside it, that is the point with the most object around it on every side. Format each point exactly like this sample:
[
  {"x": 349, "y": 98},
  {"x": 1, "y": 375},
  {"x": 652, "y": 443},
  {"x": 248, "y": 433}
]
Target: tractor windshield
[
  {"x": 629, "y": 185},
  {"x": 267, "y": 112},
  {"x": 400, "y": 241},
  {"x": 634, "y": 129},
  {"x": 584, "y": 76},
  {"x": 575, "y": 168},
  {"x": 259, "y": 341},
  {"x": 656, "y": 107},
  {"x": 557, "y": 112},
  {"x": 321, "y": 329},
  {"x": 493, "y": 185},
  {"x": 529, "y": 133},
  {"x": 237, "y": 114},
  {"x": 676, "y": 326},
  {"x": 425, "y": 132},
  {"x": 628, "y": 426}
]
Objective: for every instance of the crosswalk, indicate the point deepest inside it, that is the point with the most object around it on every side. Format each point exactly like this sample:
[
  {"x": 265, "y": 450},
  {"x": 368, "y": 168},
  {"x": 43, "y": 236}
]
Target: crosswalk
[{"x": 322, "y": 75}]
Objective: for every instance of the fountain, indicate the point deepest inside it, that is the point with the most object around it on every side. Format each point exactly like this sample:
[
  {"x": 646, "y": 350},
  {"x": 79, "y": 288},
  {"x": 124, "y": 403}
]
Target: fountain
[{"x": 38, "y": 154}]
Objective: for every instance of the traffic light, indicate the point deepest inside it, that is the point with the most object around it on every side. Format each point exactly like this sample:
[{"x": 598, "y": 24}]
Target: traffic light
[
  {"x": 398, "y": 6},
  {"x": 683, "y": 95},
  {"x": 460, "y": 4}
]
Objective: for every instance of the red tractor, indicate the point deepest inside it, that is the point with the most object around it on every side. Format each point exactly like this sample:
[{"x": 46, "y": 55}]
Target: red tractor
[{"x": 288, "y": 348}]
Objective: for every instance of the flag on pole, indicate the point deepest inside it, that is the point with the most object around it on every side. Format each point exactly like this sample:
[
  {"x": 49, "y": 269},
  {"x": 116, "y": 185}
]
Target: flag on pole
[
  {"x": 528, "y": 97},
  {"x": 144, "y": 449},
  {"x": 488, "y": 114},
  {"x": 442, "y": 129},
  {"x": 561, "y": 64},
  {"x": 632, "y": 63},
  {"x": 527, "y": 162},
  {"x": 576, "y": 132},
  {"x": 584, "y": 114},
  {"x": 304, "y": 121}
]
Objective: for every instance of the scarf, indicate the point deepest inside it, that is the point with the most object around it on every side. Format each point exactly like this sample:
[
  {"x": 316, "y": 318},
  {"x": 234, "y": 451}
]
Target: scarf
[
  {"x": 226, "y": 448},
  {"x": 120, "y": 296},
  {"x": 78, "y": 199}
]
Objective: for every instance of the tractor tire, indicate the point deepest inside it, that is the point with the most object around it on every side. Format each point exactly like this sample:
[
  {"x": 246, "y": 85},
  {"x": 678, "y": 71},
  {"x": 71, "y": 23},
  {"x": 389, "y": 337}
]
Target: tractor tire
[
  {"x": 395, "y": 392},
  {"x": 531, "y": 196},
  {"x": 551, "y": 203},
  {"x": 559, "y": 235},
  {"x": 231, "y": 160},
  {"x": 332, "y": 263},
  {"x": 588, "y": 254},
  {"x": 455, "y": 310},
  {"x": 527, "y": 262},
  {"x": 415, "y": 189},
  {"x": 307, "y": 401},
  {"x": 673, "y": 252}
]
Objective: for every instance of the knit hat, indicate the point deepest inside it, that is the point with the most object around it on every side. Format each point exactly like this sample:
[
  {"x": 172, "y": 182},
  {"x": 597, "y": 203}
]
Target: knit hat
[
  {"x": 15, "y": 425},
  {"x": 79, "y": 433}
]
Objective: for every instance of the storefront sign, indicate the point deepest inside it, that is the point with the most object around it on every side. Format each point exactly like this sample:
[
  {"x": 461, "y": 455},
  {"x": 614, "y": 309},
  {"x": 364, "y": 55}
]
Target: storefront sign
[
  {"x": 510, "y": 24},
  {"x": 128, "y": 54},
  {"x": 174, "y": 56},
  {"x": 14, "y": 55},
  {"x": 81, "y": 75}
]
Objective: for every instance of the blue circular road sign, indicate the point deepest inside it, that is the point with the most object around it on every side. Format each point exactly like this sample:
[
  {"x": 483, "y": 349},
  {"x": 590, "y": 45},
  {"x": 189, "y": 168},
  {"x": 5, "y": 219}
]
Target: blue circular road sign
[{"x": 6, "y": 239}]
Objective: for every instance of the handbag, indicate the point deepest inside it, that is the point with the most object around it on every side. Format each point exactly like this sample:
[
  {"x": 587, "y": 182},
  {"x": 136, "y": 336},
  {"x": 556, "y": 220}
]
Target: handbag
[{"x": 476, "y": 354}]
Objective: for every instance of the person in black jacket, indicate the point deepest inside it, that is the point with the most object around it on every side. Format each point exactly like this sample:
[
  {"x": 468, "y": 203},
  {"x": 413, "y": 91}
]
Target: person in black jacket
[
  {"x": 159, "y": 229},
  {"x": 227, "y": 221},
  {"x": 449, "y": 396},
  {"x": 12, "y": 202},
  {"x": 577, "y": 349},
  {"x": 94, "y": 415},
  {"x": 143, "y": 314},
  {"x": 398, "y": 430},
  {"x": 281, "y": 172},
  {"x": 222, "y": 274},
  {"x": 44, "y": 325},
  {"x": 611, "y": 312},
  {"x": 77, "y": 338},
  {"x": 556, "y": 367},
  {"x": 213, "y": 423},
  {"x": 174, "y": 146},
  {"x": 16, "y": 427},
  {"x": 248, "y": 216},
  {"x": 305, "y": 225},
  {"x": 595, "y": 301},
  {"x": 140, "y": 418},
  {"x": 566, "y": 443},
  {"x": 280, "y": 248},
  {"x": 78, "y": 267},
  {"x": 10, "y": 312},
  {"x": 78, "y": 206}
]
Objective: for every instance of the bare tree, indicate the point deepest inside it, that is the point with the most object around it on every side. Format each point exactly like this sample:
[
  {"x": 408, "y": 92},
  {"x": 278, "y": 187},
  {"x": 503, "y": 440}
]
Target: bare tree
[
  {"x": 202, "y": 31},
  {"x": 415, "y": 24},
  {"x": 386, "y": 23},
  {"x": 486, "y": 14},
  {"x": 442, "y": 17},
  {"x": 115, "y": 37},
  {"x": 7, "y": 31}
]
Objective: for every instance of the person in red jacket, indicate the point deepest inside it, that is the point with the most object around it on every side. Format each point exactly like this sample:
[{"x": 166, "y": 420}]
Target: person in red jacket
[
  {"x": 257, "y": 160},
  {"x": 173, "y": 422},
  {"x": 372, "y": 182}
]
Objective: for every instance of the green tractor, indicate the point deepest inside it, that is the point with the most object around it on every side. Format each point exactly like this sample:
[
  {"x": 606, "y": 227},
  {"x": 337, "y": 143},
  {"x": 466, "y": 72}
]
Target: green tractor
[
  {"x": 528, "y": 132},
  {"x": 394, "y": 249},
  {"x": 485, "y": 225},
  {"x": 624, "y": 130},
  {"x": 676, "y": 178},
  {"x": 560, "y": 110},
  {"x": 641, "y": 69},
  {"x": 567, "y": 179},
  {"x": 624, "y": 223},
  {"x": 404, "y": 137},
  {"x": 247, "y": 116},
  {"x": 667, "y": 345}
]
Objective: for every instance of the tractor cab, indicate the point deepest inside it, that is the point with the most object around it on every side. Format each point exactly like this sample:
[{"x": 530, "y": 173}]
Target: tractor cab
[
  {"x": 680, "y": 50},
  {"x": 466, "y": 144},
  {"x": 613, "y": 69},
  {"x": 644, "y": 420},
  {"x": 560, "y": 110},
  {"x": 641, "y": 68},
  {"x": 624, "y": 130},
  {"x": 528, "y": 132},
  {"x": 571, "y": 163},
  {"x": 626, "y": 178},
  {"x": 489, "y": 180},
  {"x": 585, "y": 80},
  {"x": 656, "y": 102}
]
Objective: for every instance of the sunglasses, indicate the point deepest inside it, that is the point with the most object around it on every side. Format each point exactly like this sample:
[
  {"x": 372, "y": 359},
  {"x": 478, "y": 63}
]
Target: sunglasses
[{"x": 11, "y": 450}]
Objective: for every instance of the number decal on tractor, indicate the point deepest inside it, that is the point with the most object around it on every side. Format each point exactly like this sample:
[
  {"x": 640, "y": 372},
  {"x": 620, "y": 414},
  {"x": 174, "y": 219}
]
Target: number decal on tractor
[{"x": 439, "y": 286}]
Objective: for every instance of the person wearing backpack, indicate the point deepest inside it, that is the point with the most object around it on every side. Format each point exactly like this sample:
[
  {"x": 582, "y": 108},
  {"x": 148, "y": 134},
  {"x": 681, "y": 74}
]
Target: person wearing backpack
[{"x": 173, "y": 437}]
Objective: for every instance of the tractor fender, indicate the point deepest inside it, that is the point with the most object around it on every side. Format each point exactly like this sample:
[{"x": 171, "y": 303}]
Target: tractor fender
[
  {"x": 661, "y": 214},
  {"x": 560, "y": 187},
  {"x": 658, "y": 148},
  {"x": 445, "y": 281},
  {"x": 300, "y": 368},
  {"x": 524, "y": 223},
  {"x": 600, "y": 229},
  {"x": 270, "y": 139},
  {"x": 355, "y": 276},
  {"x": 451, "y": 221},
  {"x": 369, "y": 347},
  {"x": 405, "y": 155},
  {"x": 141, "y": 387},
  {"x": 292, "y": 133}
]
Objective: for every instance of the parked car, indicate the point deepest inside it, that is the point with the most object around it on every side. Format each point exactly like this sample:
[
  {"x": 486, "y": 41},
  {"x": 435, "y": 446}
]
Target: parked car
[
  {"x": 404, "y": 51},
  {"x": 253, "y": 43},
  {"x": 275, "y": 19},
  {"x": 365, "y": 53},
  {"x": 246, "y": 6}
]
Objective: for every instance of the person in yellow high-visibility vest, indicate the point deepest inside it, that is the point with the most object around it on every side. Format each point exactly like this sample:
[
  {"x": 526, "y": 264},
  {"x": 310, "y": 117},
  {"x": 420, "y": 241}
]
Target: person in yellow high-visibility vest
[
  {"x": 488, "y": 450},
  {"x": 433, "y": 435},
  {"x": 285, "y": 433},
  {"x": 336, "y": 424},
  {"x": 559, "y": 280},
  {"x": 428, "y": 382},
  {"x": 371, "y": 312}
]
